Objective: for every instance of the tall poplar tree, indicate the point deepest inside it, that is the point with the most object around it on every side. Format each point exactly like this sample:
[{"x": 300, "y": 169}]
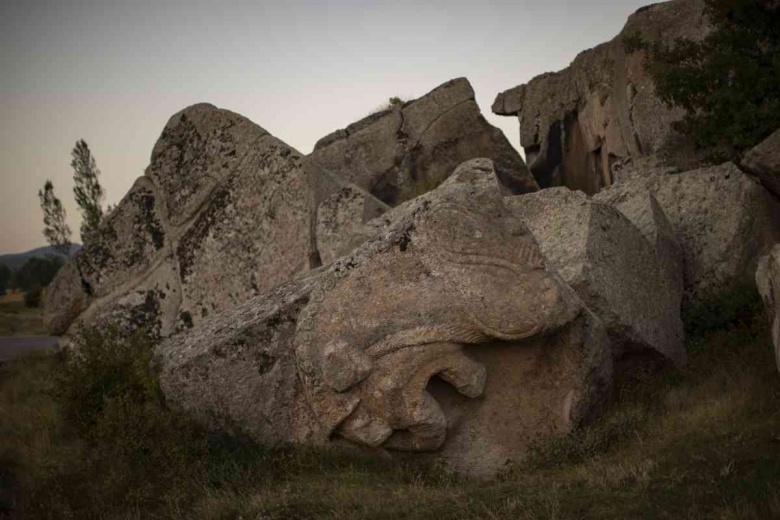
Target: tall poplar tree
[
  {"x": 55, "y": 227},
  {"x": 87, "y": 189}
]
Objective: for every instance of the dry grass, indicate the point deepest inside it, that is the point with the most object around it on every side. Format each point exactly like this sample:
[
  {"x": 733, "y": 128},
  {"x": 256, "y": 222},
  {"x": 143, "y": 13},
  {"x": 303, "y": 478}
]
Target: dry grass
[
  {"x": 692, "y": 443},
  {"x": 12, "y": 297},
  {"x": 18, "y": 320}
]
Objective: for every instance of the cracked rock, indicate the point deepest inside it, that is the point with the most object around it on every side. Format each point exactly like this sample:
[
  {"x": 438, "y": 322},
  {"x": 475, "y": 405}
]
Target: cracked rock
[
  {"x": 577, "y": 123},
  {"x": 408, "y": 150},
  {"x": 612, "y": 267},
  {"x": 443, "y": 334},
  {"x": 225, "y": 211}
]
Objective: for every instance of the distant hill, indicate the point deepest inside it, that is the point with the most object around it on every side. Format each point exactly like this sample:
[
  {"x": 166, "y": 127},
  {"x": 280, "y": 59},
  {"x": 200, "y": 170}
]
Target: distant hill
[{"x": 15, "y": 261}]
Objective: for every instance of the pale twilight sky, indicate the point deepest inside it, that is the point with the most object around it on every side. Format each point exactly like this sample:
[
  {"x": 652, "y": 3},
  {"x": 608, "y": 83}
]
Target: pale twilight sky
[{"x": 113, "y": 72}]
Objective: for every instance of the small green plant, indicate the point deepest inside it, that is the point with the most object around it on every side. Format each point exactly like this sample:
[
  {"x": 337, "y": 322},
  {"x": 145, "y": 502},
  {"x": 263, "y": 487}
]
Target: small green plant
[
  {"x": 395, "y": 101},
  {"x": 733, "y": 308},
  {"x": 587, "y": 442}
]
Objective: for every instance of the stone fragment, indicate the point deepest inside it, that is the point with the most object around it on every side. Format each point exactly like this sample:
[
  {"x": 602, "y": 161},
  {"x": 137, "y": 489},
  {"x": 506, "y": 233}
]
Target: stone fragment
[
  {"x": 763, "y": 161},
  {"x": 641, "y": 207},
  {"x": 611, "y": 266},
  {"x": 724, "y": 221},
  {"x": 768, "y": 282},
  {"x": 444, "y": 333},
  {"x": 408, "y": 150},
  {"x": 66, "y": 298},
  {"x": 341, "y": 220}
]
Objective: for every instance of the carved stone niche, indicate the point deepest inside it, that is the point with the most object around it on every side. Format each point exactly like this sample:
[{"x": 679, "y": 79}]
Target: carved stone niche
[{"x": 445, "y": 334}]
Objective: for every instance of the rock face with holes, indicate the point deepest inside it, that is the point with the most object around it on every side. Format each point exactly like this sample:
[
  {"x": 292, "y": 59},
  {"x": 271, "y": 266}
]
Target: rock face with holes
[
  {"x": 444, "y": 333},
  {"x": 768, "y": 281},
  {"x": 224, "y": 211},
  {"x": 723, "y": 219},
  {"x": 612, "y": 267},
  {"x": 763, "y": 161},
  {"x": 576, "y": 123},
  {"x": 402, "y": 152}
]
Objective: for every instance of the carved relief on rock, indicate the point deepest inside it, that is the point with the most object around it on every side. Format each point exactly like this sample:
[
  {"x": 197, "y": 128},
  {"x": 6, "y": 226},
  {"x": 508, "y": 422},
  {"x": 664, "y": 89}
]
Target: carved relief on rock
[{"x": 380, "y": 331}]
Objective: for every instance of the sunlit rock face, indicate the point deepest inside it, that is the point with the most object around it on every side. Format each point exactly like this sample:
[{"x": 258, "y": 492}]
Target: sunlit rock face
[
  {"x": 578, "y": 123},
  {"x": 445, "y": 333},
  {"x": 408, "y": 149}
]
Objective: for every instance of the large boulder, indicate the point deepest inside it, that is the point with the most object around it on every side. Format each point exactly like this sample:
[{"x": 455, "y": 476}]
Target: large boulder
[
  {"x": 612, "y": 267},
  {"x": 724, "y": 221},
  {"x": 66, "y": 298},
  {"x": 225, "y": 211},
  {"x": 577, "y": 123},
  {"x": 444, "y": 334},
  {"x": 768, "y": 281},
  {"x": 763, "y": 161},
  {"x": 404, "y": 151}
]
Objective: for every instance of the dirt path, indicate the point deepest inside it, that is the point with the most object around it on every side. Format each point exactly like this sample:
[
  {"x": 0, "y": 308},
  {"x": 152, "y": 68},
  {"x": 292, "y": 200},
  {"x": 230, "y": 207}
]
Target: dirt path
[{"x": 13, "y": 347}]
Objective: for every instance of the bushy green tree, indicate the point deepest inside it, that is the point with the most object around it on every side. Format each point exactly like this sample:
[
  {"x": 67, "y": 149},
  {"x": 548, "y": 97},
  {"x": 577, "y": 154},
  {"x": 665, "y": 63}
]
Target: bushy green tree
[
  {"x": 729, "y": 83},
  {"x": 55, "y": 228},
  {"x": 33, "y": 297},
  {"x": 5, "y": 278},
  {"x": 36, "y": 270},
  {"x": 87, "y": 189}
]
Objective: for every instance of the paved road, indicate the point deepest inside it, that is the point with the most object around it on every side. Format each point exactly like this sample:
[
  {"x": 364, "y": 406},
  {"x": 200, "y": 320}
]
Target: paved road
[{"x": 13, "y": 347}]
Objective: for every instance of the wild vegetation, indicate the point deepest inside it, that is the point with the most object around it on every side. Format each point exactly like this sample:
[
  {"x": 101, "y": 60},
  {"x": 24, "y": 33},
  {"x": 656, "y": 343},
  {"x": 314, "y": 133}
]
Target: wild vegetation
[
  {"x": 31, "y": 278},
  {"x": 91, "y": 436},
  {"x": 727, "y": 83},
  {"x": 55, "y": 227}
]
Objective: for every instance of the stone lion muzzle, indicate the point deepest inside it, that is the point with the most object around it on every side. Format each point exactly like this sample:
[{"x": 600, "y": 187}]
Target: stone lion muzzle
[{"x": 466, "y": 272}]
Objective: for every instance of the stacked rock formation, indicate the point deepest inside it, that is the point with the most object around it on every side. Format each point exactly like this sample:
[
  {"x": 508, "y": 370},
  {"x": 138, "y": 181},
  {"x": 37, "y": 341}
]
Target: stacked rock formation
[
  {"x": 407, "y": 286},
  {"x": 226, "y": 211},
  {"x": 444, "y": 333},
  {"x": 576, "y": 124}
]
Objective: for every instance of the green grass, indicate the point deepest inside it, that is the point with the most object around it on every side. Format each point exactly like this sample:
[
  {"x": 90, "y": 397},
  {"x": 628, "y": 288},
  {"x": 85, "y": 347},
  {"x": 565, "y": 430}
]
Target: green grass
[
  {"x": 92, "y": 438},
  {"x": 18, "y": 320}
]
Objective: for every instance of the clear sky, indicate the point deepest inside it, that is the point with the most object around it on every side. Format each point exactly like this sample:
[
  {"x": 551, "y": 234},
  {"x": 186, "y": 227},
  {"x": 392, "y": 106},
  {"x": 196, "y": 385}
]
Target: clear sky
[{"x": 113, "y": 72}]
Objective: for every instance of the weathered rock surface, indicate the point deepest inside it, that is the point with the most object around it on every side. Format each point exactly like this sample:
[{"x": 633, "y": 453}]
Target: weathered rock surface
[
  {"x": 341, "y": 220},
  {"x": 576, "y": 123},
  {"x": 66, "y": 299},
  {"x": 763, "y": 161},
  {"x": 723, "y": 219},
  {"x": 405, "y": 151},
  {"x": 444, "y": 333},
  {"x": 224, "y": 211},
  {"x": 768, "y": 282},
  {"x": 611, "y": 266},
  {"x": 640, "y": 206}
]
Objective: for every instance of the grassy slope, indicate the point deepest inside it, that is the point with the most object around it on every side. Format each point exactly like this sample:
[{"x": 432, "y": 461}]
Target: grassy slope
[{"x": 698, "y": 442}]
